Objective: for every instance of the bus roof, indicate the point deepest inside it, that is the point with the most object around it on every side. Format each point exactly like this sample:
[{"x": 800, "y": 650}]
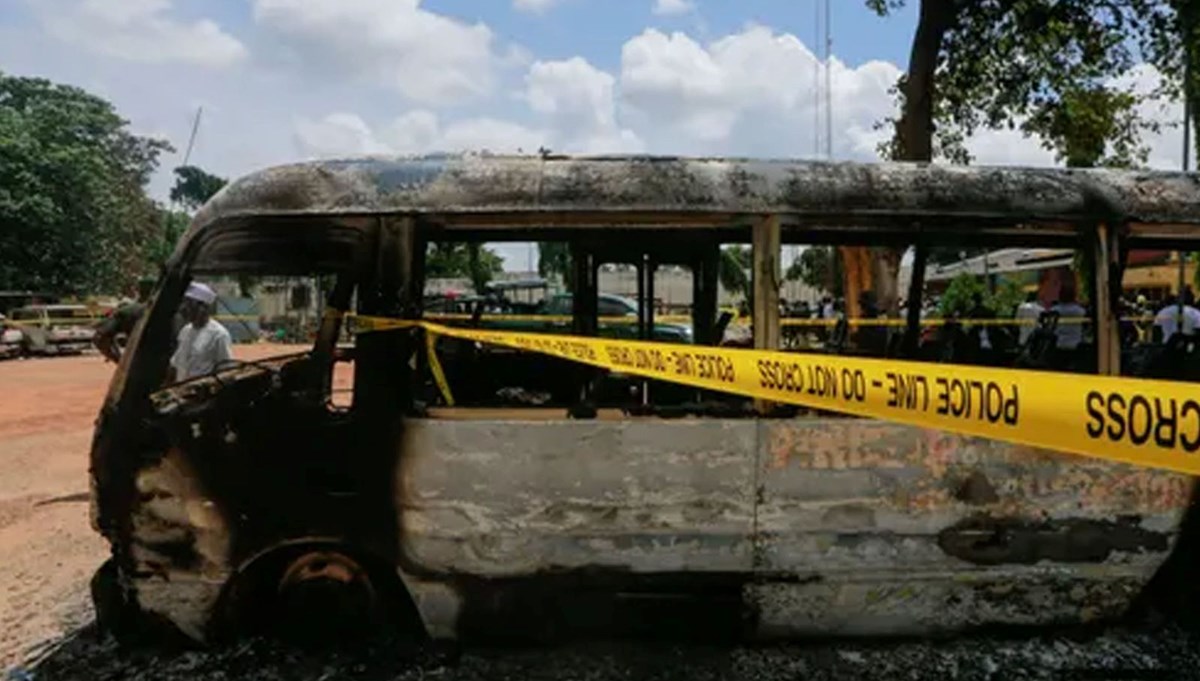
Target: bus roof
[{"x": 544, "y": 192}]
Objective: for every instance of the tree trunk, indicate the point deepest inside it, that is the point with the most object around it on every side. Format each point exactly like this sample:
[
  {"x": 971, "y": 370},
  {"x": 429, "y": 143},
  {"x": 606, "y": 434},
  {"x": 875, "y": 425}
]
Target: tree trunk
[
  {"x": 1189, "y": 26},
  {"x": 914, "y": 142}
]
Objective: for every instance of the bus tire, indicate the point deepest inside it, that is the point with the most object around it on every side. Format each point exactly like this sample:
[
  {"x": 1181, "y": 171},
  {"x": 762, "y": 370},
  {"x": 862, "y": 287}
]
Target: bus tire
[{"x": 272, "y": 595}]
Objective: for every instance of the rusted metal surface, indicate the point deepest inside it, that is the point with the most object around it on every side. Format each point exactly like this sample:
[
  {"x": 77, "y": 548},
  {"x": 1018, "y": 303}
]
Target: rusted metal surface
[
  {"x": 841, "y": 526},
  {"x": 502, "y": 190},
  {"x": 517, "y": 498},
  {"x": 180, "y": 545},
  {"x": 899, "y": 529}
]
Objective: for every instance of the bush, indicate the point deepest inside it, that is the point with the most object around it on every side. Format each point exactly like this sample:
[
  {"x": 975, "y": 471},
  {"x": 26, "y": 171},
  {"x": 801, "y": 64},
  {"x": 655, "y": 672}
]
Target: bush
[{"x": 959, "y": 296}]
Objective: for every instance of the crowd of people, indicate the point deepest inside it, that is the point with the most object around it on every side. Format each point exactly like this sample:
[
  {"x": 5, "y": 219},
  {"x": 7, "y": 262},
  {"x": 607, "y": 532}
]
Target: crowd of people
[{"x": 1052, "y": 333}]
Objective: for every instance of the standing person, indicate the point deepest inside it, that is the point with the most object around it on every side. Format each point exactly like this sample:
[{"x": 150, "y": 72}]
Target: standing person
[
  {"x": 120, "y": 322},
  {"x": 204, "y": 344},
  {"x": 1028, "y": 314},
  {"x": 1070, "y": 323},
  {"x": 981, "y": 313},
  {"x": 828, "y": 310},
  {"x": 1176, "y": 311}
]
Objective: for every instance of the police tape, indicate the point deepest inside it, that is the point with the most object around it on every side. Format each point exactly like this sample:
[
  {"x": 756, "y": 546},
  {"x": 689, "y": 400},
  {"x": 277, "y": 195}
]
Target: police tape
[
  {"x": 1143, "y": 422},
  {"x": 54, "y": 321},
  {"x": 784, "y": 322}
]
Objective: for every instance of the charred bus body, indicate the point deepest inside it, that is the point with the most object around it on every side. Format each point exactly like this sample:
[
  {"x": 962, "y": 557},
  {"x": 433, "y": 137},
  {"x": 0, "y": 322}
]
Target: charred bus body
[{"x": 246, "y": 499}]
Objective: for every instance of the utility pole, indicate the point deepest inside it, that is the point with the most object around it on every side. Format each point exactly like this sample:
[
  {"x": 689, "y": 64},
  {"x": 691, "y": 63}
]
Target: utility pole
[{"x": 187, "y": 155}]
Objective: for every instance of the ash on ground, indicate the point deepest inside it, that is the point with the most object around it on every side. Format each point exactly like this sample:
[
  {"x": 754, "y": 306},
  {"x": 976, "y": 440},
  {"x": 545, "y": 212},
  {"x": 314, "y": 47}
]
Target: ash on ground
[{"x": 1115, "y": 655}]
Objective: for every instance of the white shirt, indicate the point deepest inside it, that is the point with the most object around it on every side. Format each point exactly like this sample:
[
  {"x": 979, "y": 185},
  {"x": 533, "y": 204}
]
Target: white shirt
[
  {"x": 201, "y": 350},
  {"x": 1168, "y": 319},
  {"x": 1030, "y": 311},
  {"x": 1070, "y": 334}
]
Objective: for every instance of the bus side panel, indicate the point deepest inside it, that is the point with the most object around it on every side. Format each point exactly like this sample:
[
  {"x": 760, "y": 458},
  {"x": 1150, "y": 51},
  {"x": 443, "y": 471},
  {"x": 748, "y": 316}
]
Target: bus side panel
[
  {"x": 512, "y": 498},
  {"x": 869, "y": 527}
]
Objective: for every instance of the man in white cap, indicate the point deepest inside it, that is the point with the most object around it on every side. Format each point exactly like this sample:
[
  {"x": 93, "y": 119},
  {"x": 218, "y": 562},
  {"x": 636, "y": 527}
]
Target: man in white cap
[{"x": 203, "y": 344}]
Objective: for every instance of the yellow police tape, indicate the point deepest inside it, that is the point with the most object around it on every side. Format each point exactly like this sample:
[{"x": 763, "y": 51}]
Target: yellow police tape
[
  {"x": 54, "y": 321},
  {"x": 1143, "y": 422},
  {"x": 785, "y": 322}
]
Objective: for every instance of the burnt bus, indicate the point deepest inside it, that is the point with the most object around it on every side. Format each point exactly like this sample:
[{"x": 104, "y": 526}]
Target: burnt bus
[{"x": 253, "y": 499}]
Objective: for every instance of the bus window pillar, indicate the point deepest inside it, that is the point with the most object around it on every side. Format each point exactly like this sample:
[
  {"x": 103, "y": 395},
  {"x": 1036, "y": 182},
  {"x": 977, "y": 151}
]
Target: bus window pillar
[
  {"x": 383, "y": 379},
  {"x": 704, "y": 294},
  {"x": 646, "y": 269},
  {"x": 766, "y": 276},
  {"x": 1106, "y": 264},
  {"x": 916, "y": 289},
  {"x": 584, "y": 322}
]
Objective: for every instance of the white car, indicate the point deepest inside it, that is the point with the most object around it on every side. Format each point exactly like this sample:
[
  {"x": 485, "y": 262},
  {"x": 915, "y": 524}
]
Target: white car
[
  {"x": 54, "y": 329},
  {"x": 10, "y": 339}
]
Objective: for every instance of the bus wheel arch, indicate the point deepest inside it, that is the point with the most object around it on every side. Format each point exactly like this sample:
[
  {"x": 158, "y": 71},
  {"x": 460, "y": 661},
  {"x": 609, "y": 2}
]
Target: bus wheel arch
[{"x": 314, "y": 592}]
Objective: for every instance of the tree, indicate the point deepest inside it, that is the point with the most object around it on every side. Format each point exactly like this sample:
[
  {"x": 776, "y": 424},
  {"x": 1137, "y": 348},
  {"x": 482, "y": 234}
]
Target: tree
[
  {"x": 472, "y": 261},
  {"x": 1012, "y": 63},
  {"x": 482, "y": 266},
  {"x": 74, "y": 214},
  {"x": 819, "y": 267},
  {"x": 172, "y": 225},
  {"x": 1173, "y": 45},
  {"x": 733, "y": 270},
  {"x": 554, "y": 258},
  {"x": 194, "y": 187},
  {"x": 959, "y": 297},
  {"x": 1043, "y": 66}
]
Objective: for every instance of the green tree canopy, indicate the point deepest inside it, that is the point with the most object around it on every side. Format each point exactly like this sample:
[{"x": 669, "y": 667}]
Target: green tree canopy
[
  {"x": 194, "y": 187},
  {"x": 733, "y": 270},
  {"x": 1046, "y": 67},
  {"x": 959, "y": 297},
  {"x": 473, "y": 261},
  {"x": 554, "y": 258},
  {"x": 819, "y": 267},
  {"x": 74, "y": 214}
]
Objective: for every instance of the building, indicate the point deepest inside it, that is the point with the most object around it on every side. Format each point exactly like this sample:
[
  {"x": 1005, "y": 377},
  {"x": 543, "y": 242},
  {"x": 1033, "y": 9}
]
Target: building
[{"x": 1152, "y": 273}]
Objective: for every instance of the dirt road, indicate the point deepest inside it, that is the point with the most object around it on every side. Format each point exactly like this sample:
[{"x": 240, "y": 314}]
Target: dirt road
[{"x": 47, "y": 548}]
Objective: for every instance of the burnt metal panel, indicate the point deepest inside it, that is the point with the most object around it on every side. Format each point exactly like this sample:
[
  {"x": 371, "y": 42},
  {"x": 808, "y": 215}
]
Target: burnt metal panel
[
  {"x": 545, "y": 191},
  {"x": 886, "y": 528},
  {"x": 519, "y": 498}
]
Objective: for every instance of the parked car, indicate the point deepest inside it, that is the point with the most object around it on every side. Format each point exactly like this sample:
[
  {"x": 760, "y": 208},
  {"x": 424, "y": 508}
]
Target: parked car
[
  {"x": 54, "y": 329},
  {"x": 10, "y": 339},
  {"x": 609, "y": 308}
]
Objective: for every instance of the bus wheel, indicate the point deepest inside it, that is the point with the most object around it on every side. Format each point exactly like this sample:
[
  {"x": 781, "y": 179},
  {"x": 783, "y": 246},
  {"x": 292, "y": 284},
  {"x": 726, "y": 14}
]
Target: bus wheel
[
  {"x": 326, "y": 596},
  {"x": 318, "y": 594}
]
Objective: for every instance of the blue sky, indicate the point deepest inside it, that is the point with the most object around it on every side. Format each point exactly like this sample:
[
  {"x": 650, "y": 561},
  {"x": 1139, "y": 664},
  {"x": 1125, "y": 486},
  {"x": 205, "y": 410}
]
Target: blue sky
[{"x": 598, "y": 29}]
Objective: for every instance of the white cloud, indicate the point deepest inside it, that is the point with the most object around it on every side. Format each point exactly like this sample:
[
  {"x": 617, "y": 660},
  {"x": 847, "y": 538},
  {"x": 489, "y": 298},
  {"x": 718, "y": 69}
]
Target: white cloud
[
  {"x": 420, "y": 131},
  {"x": 673, "y": 7},
  {"x": 752, "y": 92},
  {"x": 534, "y": 6},
  {"x": 138, "y": 30},
  {"x": 578, "y": 102},
  {"x": 425, "y": 56}
]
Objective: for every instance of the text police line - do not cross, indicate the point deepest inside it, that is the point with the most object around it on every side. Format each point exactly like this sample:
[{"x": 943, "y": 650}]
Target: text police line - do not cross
[{"x": 1144, "y": 422}]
